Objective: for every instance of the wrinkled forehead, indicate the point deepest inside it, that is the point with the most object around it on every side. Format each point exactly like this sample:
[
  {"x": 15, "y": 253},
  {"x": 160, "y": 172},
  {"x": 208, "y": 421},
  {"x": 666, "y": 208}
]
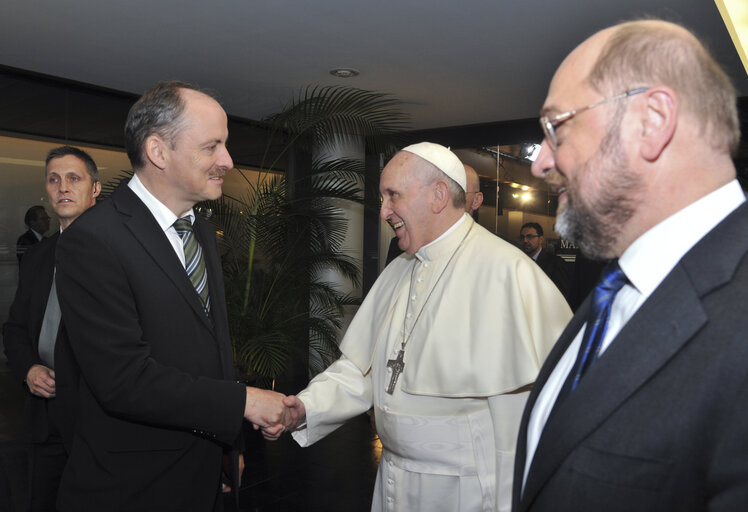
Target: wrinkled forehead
[
  {"x": 65, "y": 163},
  {"x": 402, "y": 166}
]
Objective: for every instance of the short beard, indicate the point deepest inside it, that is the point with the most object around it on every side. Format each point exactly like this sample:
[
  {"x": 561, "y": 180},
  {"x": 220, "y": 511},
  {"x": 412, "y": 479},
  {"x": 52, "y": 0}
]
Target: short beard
[{"x": 596, "y": 227}]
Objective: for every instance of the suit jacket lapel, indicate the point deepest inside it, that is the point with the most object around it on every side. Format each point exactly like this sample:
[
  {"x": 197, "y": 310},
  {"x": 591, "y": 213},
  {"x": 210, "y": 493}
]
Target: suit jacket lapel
[
  {"x": 558, "y": 350},
  {"x": 206, "y": 237},
  {"x": 146, "y": 230},
  {"x": 642, "y": 347},
  {"x": 40, "y": 293},
  {"x": 660, "y": 328}
]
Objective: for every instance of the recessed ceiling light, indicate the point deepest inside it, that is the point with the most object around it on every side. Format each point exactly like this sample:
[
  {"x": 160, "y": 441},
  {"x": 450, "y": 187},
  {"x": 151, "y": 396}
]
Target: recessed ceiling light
[{"x": 344, "y": 72}]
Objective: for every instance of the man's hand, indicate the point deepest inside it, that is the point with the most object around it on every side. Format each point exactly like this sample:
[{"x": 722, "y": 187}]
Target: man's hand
[
  {"x": 41, "y": 381},
  {"x": 264, "y": 408},
  {"x": 295, "y": 413},
  {"x": 272, "y": 433},
  {"x": 293, "y": 416},
  {"x": 225, "y": 488}
]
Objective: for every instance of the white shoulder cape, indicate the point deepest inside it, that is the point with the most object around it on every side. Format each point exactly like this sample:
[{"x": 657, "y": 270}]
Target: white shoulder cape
[{"x": 490, "y": 321}]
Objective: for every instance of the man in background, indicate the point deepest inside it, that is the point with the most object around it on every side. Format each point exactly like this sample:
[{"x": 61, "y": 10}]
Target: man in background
[
  {"x": 37, "y": 220},
  {"x": 532, "y": 242},
  {"x": 35, "y": 344},
  {"x": 473, "y": 195},
  {"x": 641, "y": 403}
]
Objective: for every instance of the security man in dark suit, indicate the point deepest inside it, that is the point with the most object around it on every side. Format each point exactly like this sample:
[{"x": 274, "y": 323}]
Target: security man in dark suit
[
  {"x": 35, "y": 342},
  {"x": 37, "y": 220},
  {"x": 531, "y": 241}
]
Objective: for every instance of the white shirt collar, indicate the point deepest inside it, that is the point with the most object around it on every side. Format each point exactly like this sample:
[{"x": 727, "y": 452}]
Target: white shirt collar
[
  {"x": 421, "y": 253},
  {"x": 163, "y": 215},
  {"x": 653, "y": 255}
]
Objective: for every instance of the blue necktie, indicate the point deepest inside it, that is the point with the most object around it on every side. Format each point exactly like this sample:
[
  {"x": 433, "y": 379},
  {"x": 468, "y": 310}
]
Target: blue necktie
[
  {"x": 193, "y": 260},
  {"x": 611, "y": 281}
]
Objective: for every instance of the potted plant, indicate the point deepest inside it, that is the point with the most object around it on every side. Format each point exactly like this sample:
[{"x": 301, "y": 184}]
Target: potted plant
[{"x": 283, "y": 232}]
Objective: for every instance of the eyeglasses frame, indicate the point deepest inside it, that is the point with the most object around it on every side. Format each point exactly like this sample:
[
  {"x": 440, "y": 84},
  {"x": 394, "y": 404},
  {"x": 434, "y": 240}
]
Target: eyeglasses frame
[{"x": 549, "y": 124}]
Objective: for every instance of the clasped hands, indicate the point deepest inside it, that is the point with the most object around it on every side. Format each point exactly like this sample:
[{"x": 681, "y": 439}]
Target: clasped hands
[{"x": 273, "y": 412}]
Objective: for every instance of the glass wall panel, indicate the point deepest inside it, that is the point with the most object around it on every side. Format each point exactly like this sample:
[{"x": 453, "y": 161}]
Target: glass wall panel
[{"x": 22, "y": 171}]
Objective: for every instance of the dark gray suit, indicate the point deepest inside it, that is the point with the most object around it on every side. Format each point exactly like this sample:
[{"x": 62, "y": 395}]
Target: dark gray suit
[
  {"x": 24, "y": 243},
  {"x": 555, "y": 268},
  {"x": 47, "y": 423},
  {"x": 660, "y": 421},
  {"x": 157, "y": 400}
]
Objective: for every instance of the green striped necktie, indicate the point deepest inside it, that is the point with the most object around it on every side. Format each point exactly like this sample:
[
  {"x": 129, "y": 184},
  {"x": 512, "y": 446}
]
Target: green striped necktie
[{"x": 194, "y": 262}]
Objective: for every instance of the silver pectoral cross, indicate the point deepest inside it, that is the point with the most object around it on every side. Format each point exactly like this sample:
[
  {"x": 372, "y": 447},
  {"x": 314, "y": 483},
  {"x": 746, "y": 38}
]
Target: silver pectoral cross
[{"x": 397, "y": 366}]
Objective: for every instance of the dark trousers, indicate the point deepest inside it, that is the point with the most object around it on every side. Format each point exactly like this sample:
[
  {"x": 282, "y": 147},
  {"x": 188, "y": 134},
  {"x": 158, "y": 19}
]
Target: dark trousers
[{"x": 46, "y": 462}]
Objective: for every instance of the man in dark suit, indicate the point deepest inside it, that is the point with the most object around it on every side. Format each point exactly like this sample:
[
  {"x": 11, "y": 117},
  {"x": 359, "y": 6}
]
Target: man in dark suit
[
  {"x": 531, "y": 240},
  {"x": 142, "y": 297},
  {"x": 37, "y": 220},
  {"x": 35, "y": 344},
  {"x": 646, "y": 409}
]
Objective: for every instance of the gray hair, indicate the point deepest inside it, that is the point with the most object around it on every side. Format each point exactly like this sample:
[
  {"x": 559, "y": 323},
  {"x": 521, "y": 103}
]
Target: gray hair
[
  {"x": 81, "y": 155},
  {"x": 158, "y": 112},
  {"x": 455, "y": 190}
]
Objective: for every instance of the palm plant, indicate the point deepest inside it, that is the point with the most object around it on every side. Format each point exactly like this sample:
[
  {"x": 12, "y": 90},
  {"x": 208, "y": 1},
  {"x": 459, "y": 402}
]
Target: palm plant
[{"x": 281, "y": 235}]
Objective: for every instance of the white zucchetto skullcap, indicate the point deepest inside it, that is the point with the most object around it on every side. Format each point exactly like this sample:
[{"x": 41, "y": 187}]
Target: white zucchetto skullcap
[{"x": 442, "y": 158}]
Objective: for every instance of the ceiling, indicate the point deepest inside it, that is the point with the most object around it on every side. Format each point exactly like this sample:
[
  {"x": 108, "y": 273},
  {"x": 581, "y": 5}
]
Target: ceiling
[{"x": 451, "y": 63}]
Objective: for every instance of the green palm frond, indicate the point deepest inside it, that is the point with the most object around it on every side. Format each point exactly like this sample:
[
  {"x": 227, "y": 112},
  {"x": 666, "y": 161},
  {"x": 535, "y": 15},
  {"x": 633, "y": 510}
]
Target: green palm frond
[
  {"x": 108, "y": 188},
  {"x": 276, "y": 245},
  {"x": 324, "y": 117}
]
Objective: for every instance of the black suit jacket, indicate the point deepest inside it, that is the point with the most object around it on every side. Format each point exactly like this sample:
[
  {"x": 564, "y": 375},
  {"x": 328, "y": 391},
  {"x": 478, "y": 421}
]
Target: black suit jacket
[
  {"x": 24, "y": 242},
  {"x": 157, "y": 400},
  {"x": 555, "y": 268},
  {"x": 21, "y": 341},
  {"x": 660, "y": 421}
]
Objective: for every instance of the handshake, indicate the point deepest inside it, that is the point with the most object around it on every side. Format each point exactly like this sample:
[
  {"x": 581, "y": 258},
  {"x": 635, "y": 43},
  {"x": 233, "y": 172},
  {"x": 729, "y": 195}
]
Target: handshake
[{"x": 273, "y": 412}]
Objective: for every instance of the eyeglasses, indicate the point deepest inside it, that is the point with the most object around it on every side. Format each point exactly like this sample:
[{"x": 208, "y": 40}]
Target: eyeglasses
[
  {"x": 549, "y": 124},
  {"x": 527, "y": 237}
]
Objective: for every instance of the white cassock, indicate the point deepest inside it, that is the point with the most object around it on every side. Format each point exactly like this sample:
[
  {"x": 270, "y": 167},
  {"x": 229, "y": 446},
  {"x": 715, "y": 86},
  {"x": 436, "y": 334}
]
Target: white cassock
[{"x": 482, "y": 317}]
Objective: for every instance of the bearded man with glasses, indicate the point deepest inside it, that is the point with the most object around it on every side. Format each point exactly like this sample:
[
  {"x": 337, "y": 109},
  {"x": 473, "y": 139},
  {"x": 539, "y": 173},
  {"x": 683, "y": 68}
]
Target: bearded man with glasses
[{"x": 641, "y": 403}]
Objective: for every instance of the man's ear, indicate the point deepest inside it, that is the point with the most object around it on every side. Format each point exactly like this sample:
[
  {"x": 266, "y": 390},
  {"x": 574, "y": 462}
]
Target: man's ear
[
  {"x": 477, "y": 200},
  {"x": 658, "y": 121},
  {"x": 97, "y": 189},
  {"x": 155, "y": 151},
  {"x": 440, "y": 196}
]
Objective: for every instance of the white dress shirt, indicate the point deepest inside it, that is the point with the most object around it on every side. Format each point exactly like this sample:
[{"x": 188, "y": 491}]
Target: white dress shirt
[
  {"x": 646, "y": 263},
  {"x": 163, "y": 215}
]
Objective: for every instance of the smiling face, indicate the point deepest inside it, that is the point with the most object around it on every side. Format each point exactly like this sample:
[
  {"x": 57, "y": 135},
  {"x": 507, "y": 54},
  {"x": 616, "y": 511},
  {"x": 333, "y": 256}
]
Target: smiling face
[
  {"x": 406, "y": 204},
  {"x": 195, "y": 166},
  {"x": 589, "y": 168},
  {"x": 70, "y": 189}
]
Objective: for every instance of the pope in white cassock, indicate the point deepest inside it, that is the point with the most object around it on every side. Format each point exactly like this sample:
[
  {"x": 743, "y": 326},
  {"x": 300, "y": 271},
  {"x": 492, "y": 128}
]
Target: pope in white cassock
[{"x": 444, "y": 347}]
